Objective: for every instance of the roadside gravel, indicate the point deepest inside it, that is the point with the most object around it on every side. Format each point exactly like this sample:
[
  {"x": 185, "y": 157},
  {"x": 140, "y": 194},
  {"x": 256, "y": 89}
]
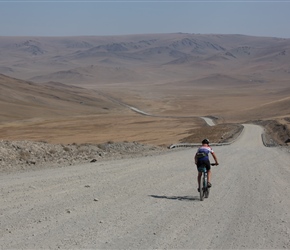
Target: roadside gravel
[
  {"x": 29, "y": 155},
  {"x": 152, "y": 202}
]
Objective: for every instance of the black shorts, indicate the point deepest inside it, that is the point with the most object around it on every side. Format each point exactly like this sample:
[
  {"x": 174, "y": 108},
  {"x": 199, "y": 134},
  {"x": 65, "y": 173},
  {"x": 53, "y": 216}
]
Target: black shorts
[{"x": 203, "y": 163}]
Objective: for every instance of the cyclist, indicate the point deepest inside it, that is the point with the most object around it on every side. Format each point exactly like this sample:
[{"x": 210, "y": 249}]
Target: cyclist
[{"x": 202, "y": 159}]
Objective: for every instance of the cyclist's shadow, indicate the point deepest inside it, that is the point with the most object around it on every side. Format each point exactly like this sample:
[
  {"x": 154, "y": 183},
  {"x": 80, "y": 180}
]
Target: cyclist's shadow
[{"x": 180, "y": 198}]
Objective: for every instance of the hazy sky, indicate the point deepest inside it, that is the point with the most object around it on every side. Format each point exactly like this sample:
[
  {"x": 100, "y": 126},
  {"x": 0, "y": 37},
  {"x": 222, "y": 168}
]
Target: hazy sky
[{"x": 73, "y": 18}]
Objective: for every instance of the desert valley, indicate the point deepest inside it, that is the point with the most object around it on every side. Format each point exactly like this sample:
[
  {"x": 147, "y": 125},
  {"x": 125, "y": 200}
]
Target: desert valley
[{"x": 73, "y": 89}]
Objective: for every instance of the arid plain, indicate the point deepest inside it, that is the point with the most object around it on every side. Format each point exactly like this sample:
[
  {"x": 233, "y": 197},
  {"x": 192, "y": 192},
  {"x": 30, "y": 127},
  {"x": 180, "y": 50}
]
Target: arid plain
[{"x": 80, "y": 89}]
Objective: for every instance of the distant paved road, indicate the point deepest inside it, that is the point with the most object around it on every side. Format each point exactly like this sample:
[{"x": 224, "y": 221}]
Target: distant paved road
[
  {"x": 209, "y": 121},
  {"x": 152, "y": 202}
]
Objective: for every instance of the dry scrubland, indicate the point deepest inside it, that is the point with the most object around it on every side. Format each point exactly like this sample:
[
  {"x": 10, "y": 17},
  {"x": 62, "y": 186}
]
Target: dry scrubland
[{"x": 78, "y": 90}]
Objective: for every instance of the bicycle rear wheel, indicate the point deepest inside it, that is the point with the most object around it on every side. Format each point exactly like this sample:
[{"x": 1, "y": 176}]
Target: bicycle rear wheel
[
  {"x": 205, "y": 186},
  {"x": 206, "y": 193},
  {"x": 202, "y": 187},
  {"x": 201, "y": 193}
]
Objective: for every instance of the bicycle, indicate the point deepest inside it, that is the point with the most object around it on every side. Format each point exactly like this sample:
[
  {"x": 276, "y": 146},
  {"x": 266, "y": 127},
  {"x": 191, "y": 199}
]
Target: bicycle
[{"x": 203, "y": 185}]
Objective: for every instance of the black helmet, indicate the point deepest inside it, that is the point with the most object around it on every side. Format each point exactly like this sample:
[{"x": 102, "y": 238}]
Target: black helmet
[{"x": 205, "y": 141}]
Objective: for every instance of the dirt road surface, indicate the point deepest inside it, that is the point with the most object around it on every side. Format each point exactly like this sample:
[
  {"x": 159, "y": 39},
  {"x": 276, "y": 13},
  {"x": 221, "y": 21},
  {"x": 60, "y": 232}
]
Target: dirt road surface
[{"x": 152, "y": 202}]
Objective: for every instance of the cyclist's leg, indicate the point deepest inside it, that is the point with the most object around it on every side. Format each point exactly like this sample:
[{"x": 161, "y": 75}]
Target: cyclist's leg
[
  {"x": 198, "y": 165},
  {"x": 199, "y": 178},
  {"x": 208, "y": 168},
  {"x": 209, "y": 177}
]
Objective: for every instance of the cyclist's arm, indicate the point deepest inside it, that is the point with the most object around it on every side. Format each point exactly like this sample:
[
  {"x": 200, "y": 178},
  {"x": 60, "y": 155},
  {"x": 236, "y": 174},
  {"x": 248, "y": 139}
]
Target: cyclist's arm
[
  {"x": 195, "y": 159},
  {"x": 215, "y": 158}
]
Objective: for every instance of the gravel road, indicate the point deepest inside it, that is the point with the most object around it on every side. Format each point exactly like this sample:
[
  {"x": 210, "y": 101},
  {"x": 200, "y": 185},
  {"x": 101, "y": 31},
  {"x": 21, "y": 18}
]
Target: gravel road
[{"x": 152, "y": 202}]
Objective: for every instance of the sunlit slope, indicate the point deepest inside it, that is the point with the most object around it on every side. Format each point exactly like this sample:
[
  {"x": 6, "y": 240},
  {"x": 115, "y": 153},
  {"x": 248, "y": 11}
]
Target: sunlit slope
[
  {"x": 23, "y": 100},
  {"x": 272, "y": 110}
]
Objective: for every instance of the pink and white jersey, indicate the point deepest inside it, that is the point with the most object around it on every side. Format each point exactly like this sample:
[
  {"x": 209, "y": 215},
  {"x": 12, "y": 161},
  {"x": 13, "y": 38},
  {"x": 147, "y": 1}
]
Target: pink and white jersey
[{"x": 203, "y": 151}]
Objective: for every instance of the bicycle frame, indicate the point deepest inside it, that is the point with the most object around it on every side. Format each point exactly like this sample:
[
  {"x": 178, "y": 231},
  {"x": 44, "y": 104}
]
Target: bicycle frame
[
  {"x": 203, "y": 188},
  {"x": 203, "y": 185}
]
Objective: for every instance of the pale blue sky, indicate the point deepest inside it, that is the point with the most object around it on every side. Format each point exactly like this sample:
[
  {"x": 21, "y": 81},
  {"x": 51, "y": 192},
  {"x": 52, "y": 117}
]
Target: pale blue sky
[{"x": 116, "y": 17}]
